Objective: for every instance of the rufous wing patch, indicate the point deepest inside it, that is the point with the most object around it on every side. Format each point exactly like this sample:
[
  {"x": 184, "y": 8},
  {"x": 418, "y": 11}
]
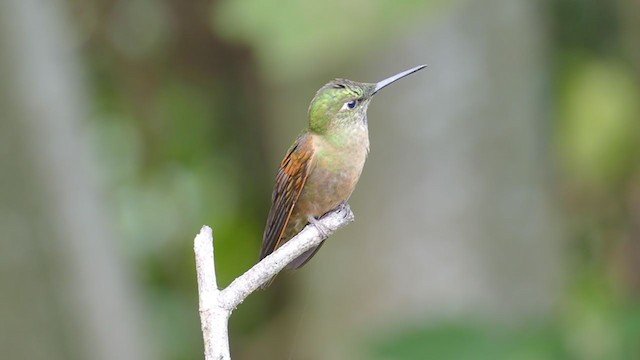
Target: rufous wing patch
[{"x": 292, "y": 175}]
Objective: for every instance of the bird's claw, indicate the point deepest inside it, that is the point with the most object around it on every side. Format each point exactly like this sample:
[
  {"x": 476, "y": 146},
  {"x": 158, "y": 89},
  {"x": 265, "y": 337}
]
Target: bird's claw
[
  {"x": 344, "y": 208},
  {"x": 324, "y": 232}
]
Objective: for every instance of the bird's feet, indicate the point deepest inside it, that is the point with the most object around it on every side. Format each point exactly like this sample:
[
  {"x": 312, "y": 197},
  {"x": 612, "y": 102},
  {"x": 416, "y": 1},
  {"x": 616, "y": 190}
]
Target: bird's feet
[
  {"x": 324, "y": 232},
  {"x": 344, "y": 208}
]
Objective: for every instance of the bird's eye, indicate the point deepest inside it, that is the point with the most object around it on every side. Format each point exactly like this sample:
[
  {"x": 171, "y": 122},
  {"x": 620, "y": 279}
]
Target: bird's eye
[{"x": 352, "y": 104}]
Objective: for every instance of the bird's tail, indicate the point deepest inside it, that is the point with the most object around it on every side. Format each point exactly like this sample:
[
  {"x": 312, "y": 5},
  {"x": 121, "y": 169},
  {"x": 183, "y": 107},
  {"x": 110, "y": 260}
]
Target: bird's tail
[
  {"x": 296, "y": 263},
  {"x": 304, "y": 258},
  {"x": 267, "y": 284}
]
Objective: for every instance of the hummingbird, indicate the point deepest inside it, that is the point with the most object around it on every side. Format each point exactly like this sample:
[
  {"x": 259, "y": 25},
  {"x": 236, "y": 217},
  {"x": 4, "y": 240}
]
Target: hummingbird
[{"x": 323, "y": 166}]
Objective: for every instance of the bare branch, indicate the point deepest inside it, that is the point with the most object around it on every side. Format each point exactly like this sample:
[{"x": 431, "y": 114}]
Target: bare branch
[
  {"x": 216, "y": 305},
  {"x": 213, "y": 318},
  {"x": 270, "y": 266}
]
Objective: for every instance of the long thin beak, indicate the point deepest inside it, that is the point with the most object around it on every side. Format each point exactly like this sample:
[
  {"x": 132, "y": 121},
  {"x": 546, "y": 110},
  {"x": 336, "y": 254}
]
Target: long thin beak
[{"x": 394, "y": 78}]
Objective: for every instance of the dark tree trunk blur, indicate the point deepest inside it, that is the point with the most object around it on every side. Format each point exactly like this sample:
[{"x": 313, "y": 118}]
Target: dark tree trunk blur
[{"x": 67, "y": 293}]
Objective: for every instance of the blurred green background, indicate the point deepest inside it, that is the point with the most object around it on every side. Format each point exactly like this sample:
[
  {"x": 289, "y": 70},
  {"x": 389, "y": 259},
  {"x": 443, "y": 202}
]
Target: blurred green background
[{"x": 498, "y": 216}]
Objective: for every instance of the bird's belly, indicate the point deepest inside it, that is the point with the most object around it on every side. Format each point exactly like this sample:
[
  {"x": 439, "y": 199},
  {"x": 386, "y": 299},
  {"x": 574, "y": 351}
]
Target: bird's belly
[
  {"x": 332, "y": 179},
  {"x": 327, "y": 186}
]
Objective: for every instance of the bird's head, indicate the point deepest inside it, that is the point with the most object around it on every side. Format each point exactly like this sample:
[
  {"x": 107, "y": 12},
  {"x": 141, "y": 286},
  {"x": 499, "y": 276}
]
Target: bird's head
[{"x": 342, "y": 103}]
